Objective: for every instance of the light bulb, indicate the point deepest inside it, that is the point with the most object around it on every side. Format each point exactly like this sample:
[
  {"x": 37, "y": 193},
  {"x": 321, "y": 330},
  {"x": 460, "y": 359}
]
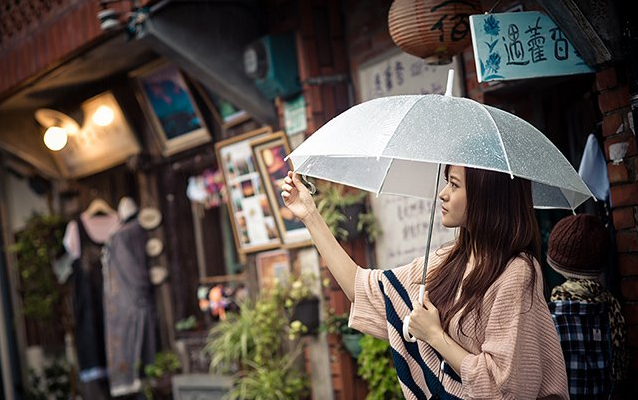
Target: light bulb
[
  {"x": 55, "y": 138},
  {"x": 103, "y": 116}
]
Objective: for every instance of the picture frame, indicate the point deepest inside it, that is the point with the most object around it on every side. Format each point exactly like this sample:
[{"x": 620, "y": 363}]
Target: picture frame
[
  {"x": 272, "y": 266},
  {"x": 170, "y": 108},
  {"x": 269, "y": 154},
  {"x": 251, "y": 216}
]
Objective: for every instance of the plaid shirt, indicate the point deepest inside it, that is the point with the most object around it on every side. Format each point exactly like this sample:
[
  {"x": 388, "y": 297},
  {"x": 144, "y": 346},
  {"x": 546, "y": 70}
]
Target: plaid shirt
[{"x": 583, "y": 330}]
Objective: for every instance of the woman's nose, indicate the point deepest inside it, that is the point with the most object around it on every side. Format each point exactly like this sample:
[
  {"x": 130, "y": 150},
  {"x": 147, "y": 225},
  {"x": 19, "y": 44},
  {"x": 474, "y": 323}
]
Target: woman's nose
[{"x": 442, "y": 194}]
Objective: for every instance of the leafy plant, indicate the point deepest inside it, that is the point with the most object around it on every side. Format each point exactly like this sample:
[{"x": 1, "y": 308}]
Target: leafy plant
[
  {"x": 251, "y": 343},
  {"x": 336, "y": 323},
  {"x": 278, "y": 379},
  {"x": 54, "y": 383},
  {"x": 376, "y": 368},
  {"x": 332, "y": 201},
  {"x": 186, "y": 324},
  {"x": 36, "y": 247},
  {"x": 231, "y": 342},
  {"x": 166, "y": 363}
]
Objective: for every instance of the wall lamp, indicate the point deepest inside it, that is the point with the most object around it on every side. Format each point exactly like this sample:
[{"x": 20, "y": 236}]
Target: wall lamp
[{"x": 59, "y": 125}]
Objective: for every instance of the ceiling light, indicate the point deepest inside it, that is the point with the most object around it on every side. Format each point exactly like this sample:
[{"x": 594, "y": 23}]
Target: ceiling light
[
  {"x": 48, "y": 117},
  {"x": 55, "y": 138},
  {"x": 103, "y": 116}
]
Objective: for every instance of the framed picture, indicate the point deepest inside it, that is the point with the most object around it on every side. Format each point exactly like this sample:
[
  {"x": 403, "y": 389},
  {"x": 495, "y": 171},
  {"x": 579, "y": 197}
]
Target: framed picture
[
  {"x": 170, "y": 108},
  {"x": 252, "y": 219},
  {"x": 269, "y": 153},
  {"x": 272, "y": 266}
]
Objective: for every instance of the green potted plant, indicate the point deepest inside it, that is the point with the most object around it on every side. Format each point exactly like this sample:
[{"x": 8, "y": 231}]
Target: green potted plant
[
  {"x": 158, "y": 374},
  {"x": 350, "y": 337},
  {"x": 231, "y": 342},
  {"x": 53, "y": 383},
  {"x": 376, "y": 368},
  {"x": 36, "y": 247},
  {"x": 344, "y": 210},
  {"x": 251, "y": 344},
  {"x": 302, "y": 304},
  {"x": 280, "y": 378}
]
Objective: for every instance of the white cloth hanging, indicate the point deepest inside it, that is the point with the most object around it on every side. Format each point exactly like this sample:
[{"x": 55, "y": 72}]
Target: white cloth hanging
[{"x": 593, "y": 169}]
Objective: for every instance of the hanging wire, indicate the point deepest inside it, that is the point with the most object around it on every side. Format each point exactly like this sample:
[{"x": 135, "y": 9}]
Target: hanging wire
[{"x": 494, "y": 6}]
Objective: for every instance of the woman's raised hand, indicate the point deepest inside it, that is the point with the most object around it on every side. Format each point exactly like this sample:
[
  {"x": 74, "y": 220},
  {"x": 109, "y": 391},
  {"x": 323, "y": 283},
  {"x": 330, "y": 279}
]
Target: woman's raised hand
[{"x": 297, "y": 197}]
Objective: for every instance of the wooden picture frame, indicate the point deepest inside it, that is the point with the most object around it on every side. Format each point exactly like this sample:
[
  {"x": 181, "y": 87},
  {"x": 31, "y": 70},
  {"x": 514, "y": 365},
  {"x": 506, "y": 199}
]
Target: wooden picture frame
[
  {"x": 170, "y": 107},
  {"x": 251, "y": 216},
  {"x": 272, "y": 266},
  {"x": 269, "y": 153}
]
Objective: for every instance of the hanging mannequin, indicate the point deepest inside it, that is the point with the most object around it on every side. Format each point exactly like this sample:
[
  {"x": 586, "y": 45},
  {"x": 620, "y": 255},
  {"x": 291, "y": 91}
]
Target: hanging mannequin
[
  {"x": 83, "y": 241},
  {"x": 129, "y": 304}
]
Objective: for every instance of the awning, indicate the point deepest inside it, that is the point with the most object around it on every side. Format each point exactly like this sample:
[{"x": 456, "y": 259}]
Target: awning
[{"x": 205, "y": 39}]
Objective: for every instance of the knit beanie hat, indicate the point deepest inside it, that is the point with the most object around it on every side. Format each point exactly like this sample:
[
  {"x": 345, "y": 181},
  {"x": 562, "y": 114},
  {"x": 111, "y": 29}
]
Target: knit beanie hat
[{"x": 578, "y": 247}]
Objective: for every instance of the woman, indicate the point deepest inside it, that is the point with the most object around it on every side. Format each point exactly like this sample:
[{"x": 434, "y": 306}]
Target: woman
[{"x": 484, "y": 330}]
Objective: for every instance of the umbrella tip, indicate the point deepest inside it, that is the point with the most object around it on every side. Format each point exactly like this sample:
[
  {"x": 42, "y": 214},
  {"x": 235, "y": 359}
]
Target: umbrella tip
[{"x": 450, "y": 82}]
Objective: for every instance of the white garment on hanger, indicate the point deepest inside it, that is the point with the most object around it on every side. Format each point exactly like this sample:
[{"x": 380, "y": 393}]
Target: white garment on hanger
[
  {"x": 593, "y": 169},
  {"x": 98, "y": 227}
]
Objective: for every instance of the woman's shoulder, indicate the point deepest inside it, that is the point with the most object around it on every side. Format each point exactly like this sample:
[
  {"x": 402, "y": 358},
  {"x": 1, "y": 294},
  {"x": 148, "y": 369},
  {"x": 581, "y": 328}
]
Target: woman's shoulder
[{"x": 520, "y": 269}]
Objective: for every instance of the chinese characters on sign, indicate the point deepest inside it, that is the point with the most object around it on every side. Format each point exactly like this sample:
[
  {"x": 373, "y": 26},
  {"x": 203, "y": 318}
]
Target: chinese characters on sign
[
  {"x": 404, "y": 220},
  {"x": 522, "y": 45},
  {"x": 401, "y": 74}
]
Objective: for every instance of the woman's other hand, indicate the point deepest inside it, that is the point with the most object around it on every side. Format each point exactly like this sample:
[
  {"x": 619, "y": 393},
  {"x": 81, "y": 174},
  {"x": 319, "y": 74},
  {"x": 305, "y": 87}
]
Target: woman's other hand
[
  {"x": 297, "y": 197},
  {"x": 425, "y": 323}
]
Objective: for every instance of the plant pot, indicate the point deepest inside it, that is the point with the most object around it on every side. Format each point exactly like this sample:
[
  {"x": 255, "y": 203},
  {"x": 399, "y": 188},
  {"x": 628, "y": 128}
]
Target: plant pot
[
  {"x": 307, "y": 311},
  {"x": 162, "y": 388},
  {"x": 352, "y": 213},
  {"x": 351, "y": 343}
]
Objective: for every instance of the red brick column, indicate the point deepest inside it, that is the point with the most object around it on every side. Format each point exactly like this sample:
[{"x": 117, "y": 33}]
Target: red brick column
[{"x": 613, "y": 101}]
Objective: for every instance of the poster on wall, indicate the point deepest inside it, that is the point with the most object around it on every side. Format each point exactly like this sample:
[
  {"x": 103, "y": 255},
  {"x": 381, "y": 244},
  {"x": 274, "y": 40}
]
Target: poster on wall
[
  {"x": 269, "y": 154},
  {"x": 252, "y": 219},
  {"x": 273, "y": 267},
  {"x": 169, "y": 106},
  {"x": 404, "y": 220}
]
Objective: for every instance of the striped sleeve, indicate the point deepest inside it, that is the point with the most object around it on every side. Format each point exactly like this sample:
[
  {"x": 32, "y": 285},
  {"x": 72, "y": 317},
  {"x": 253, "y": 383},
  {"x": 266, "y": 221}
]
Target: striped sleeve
[{"x": 367, "y": 312}]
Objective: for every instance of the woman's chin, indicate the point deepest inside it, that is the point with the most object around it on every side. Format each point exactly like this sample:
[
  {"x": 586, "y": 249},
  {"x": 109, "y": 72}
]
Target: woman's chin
[{"x": 449, "y": 224}]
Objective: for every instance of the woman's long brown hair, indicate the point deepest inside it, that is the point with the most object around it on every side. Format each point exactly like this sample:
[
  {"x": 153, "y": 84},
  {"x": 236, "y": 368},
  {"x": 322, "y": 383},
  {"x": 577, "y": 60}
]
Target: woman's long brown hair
[{"x": 500, "y": 225}]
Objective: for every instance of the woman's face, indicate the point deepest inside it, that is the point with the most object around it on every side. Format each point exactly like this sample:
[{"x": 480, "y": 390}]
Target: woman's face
[{"x": 454, "y": 198}]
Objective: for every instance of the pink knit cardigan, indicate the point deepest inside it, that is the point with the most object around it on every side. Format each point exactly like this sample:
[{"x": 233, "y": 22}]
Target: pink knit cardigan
[{"x": 515, "y": 352}]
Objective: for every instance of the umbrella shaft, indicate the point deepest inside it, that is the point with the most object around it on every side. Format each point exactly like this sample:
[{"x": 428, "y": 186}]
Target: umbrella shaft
[{"x": 432, "y": 211}]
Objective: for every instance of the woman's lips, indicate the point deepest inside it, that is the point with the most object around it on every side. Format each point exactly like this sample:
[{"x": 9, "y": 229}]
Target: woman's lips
[{"x": 443, "y": 210}]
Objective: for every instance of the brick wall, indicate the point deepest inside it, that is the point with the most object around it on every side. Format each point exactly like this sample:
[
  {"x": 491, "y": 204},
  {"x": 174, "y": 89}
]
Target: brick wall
[
  {"x": 321, "y": 53},
  {"x": 613, "y": 101}
]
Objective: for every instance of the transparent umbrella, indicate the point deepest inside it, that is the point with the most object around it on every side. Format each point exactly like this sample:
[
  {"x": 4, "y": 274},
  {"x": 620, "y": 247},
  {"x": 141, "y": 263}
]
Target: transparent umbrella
[{"x": 397, "y": 144}]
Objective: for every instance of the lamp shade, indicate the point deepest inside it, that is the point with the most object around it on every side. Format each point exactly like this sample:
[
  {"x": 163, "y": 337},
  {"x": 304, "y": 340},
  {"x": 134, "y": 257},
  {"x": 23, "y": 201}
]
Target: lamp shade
[{"x": 432, "y": 29}]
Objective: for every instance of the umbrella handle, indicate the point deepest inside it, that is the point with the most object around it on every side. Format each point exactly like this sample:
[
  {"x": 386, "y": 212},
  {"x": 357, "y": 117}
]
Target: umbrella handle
[{"x": 406, "y": 319}]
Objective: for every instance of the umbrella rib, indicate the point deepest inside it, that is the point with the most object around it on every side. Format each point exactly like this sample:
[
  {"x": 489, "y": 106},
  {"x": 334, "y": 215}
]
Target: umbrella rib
[
  {"x": 385, "y": 176},
  {"x": 500, "y": 140}
]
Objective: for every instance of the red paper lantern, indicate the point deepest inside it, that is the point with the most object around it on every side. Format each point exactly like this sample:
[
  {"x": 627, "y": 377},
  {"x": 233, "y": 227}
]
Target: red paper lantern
[{"x": 434, "y": 30}]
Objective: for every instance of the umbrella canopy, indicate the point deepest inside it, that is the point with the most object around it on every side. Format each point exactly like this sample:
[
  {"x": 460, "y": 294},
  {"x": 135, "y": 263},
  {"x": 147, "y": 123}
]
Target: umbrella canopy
[{"x": 394, "y": 145}]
